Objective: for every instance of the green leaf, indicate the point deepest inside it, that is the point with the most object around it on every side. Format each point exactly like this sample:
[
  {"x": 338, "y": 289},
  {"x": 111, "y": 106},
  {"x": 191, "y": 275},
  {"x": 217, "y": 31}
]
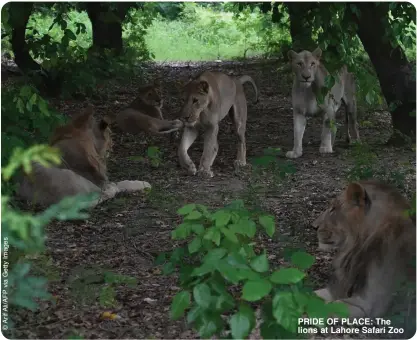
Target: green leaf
[
  {"x": 285, "y": 311},
  {"x": 202, "y": 295},
  {"x": 194, "y": 313},
  {"x": 186, "y": 209},
  {"x": 256, "y": 290},
  {"x": 241, "y": 323},
  {"x": 287, "y": 276},
  {"x": 228, "y": 272},
  {"x": 194, "y": 215},
  {"x": 179, "y": 304},
  {"x": 229, "y": 235},
  {"x": 198, "y": 229},
  {"x": 107, "y": 296},
  {"x": 168, "y": 268},
  {"x": 195, "y": 245},
  {"x": 181, "y": 232},
  {"x": 209, "y": 325},
  {"x": 214, "y": 255},
  {"x": 221, "y": 218},
  {"x": 268, "y": 222},
  {"x": 260, "y": 263},
  {"x": 302, "y": 260}
]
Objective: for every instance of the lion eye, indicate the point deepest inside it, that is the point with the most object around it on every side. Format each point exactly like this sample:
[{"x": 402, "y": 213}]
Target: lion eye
[
  {"x": 332, "y": 209},
  {"x": 195, "y": 100},
  {"x": 300, "y": 64},
  {"x": 313, "y": 63}
]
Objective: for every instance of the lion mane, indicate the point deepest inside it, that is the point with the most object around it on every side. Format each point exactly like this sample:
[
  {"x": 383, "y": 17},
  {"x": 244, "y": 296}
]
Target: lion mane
[{"x": 375, "y": 241}]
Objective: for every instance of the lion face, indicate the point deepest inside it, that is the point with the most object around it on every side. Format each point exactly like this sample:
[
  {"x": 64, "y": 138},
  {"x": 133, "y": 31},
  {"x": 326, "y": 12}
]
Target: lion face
[
  {"x": 196, "y": 101},
  {"x": 151, "y": 95},
  {"x": 340, "y": 220},
  {"x": 304, "y": 65}
]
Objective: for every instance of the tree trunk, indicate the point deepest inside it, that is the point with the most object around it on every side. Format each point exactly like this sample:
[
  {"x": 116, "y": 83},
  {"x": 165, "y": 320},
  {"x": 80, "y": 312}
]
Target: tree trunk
[
  {"x": 19, "y": 17},
  {"x": 107, "y": 24},
  {"x": 391, "y": 65},
  {"x": 300, "y": 25}
]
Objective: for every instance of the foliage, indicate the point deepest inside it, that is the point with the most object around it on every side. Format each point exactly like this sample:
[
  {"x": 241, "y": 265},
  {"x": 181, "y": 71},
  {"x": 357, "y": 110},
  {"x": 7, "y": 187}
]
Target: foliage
[
  {"x": 26, "y": 119},
  {"x": 24, "y": 235},
  {"x": 366, "y": 166},
  {"x": 59, "y": 39},
  {"x": 221, "y": 274},
  {"x": 90, "y": 284},
  {"x": 205, "y": 33},
  {"x": 335, "y": 33}
]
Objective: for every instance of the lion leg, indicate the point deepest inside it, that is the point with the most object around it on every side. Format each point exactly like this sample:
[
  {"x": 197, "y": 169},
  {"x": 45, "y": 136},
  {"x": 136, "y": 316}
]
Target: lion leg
[
  {"x": 239, "y": 115},
  {"x": 211, "y": 146},
  {"x": 189, "y": 136},
  {"x": 299, "y": 128},
  {"x": 328, "y": 134}
]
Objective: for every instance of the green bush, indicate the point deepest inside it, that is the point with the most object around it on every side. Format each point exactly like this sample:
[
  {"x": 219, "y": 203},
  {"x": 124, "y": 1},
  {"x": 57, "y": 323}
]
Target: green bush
[
  {"x": 222, "y": 275},
  {"x": 23, "y": 236},
  {"x": 27, "y": 119}
]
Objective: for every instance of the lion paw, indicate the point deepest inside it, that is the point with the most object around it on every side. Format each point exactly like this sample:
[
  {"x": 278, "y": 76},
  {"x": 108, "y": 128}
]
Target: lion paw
[
  {"x": 240, "y": 164},
  {"x": 293, "y": 154},
  {"x": 326, "y": 149},
  {"x": 205, "y": 173},
  {"x": 178, "y": 124},
  {"x": 132, "y": 186}
]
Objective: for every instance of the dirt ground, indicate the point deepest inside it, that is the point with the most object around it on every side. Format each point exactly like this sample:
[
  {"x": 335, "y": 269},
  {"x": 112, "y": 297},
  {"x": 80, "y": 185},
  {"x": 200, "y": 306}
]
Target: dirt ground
[{"x": 127, "y": 233}]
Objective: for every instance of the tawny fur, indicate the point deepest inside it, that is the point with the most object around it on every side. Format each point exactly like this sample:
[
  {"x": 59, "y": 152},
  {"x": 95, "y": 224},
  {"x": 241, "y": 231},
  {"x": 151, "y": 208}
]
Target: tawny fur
[
  {"x": 309, "y": 79},
  {"x": 375, "y": 241},
  {"x": 84, "y": 145},
  {"x": 209, "y": 98}
]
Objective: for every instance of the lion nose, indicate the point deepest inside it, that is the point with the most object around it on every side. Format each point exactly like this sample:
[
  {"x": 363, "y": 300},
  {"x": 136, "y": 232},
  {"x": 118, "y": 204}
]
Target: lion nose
[{"x": 306, "y": 77}]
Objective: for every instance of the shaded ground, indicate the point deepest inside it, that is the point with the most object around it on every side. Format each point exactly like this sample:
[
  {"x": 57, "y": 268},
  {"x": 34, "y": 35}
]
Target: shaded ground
[{"x": 124, "y": 235}]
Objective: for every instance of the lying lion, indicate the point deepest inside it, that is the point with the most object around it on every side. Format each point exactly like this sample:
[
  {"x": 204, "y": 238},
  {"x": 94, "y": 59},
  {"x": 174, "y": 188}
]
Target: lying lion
[
  {"x": 144, "y": 114},
  {"x": 84, "y": 144},
  {"x": 375, "y": 241},
  {"x": 209, "y": 98},
  {"x": 309, "y": 77}
]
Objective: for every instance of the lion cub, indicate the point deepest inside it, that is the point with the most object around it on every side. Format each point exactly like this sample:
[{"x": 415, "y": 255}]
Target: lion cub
[
  {"x": 309, "y": 77},
  {"x": 209, "y": 98},
  {"x": 144, "y": 114},
  {"x": 375, "y": 240}
]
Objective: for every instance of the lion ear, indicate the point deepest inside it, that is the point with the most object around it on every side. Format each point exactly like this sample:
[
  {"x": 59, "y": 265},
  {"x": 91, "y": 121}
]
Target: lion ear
[
  {"x": 317, "y": 53},
  {"x": 357, "y": 195},
  {"x": 203, "y": 86},
  {"x": 292, "y": 55}
]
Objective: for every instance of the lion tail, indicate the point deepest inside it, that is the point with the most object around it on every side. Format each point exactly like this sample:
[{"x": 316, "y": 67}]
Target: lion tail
[{"x": 244, "y": 79}]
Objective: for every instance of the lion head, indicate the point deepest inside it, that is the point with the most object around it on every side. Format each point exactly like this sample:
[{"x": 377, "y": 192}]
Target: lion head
[
  {"x": 151, "y": 95},
  {"x": 85, "y": 144},
  {"x": 196, "y": 101},
  {"x": 367, "y": 222},
  {"x": 304, "y": 65}
]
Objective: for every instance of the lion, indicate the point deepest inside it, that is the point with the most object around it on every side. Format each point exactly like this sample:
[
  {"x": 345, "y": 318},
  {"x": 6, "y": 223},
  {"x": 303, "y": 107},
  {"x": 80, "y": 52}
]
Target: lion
[
  {"x": 375, "y": 242},
  {"x": 144, "y": 114},
  {"x": 209, "y": 98},
  {"x": 309, "y": 79},
  {"x": 84, "y": 144}
]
